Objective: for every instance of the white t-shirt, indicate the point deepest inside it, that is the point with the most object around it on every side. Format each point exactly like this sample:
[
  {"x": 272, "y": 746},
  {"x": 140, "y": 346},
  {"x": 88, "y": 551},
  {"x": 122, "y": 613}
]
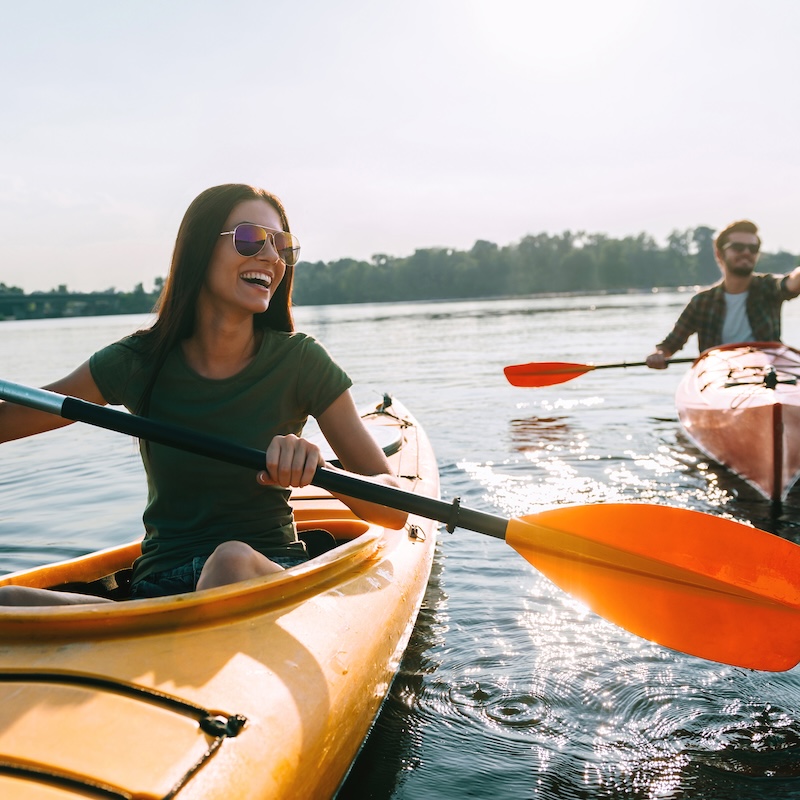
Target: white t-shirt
[{"x": 736, "y": 327}]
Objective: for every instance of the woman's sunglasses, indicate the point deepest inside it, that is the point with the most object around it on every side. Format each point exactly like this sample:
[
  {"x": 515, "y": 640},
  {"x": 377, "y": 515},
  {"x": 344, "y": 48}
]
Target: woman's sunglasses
[
  {"x": 739, "y": 247},
  {"x": 249, "y": 240}
]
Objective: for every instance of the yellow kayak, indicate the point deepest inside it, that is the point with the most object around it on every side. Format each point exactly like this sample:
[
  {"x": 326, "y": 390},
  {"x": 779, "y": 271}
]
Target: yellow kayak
[{"x": 261, "y": 689}]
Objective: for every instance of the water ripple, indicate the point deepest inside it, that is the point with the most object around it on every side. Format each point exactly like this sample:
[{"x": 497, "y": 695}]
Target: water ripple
[{"x": 509, "y": 688}]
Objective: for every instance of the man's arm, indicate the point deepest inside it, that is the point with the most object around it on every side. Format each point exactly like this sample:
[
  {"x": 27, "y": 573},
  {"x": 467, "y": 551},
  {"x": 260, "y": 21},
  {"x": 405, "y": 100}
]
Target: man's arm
[
  {"x": 792, "y": 281},
  {"x": 685, "y": 326}
]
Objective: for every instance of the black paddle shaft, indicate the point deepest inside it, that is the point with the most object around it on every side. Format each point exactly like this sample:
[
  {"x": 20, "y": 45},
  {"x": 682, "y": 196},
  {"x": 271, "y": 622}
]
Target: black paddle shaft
[{"x": 452, "y": 514}]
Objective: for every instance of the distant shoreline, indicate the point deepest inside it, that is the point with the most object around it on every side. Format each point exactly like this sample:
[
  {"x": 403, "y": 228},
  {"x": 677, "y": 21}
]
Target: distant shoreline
[
  {"x": 49, "y": 305},
  {"x": 55, "y": 305},
  {"x": 566, "y": 265}
]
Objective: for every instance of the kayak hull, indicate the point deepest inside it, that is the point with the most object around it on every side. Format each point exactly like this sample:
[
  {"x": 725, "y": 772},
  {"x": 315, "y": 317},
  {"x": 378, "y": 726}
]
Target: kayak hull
[
  {"x": 265, "y": 688},
  {"x": 740, "y": 404}
]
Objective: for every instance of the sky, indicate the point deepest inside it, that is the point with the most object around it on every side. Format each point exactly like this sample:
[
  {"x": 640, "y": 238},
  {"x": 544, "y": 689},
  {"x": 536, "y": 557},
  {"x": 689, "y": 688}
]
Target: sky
[{"x": 387, "y": 126}]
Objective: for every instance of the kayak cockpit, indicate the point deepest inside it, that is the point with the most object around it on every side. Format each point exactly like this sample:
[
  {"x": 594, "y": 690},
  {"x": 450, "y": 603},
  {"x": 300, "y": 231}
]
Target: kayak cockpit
[
  {"x": 116, "y": 585},
  {"x": 359, "y": 547}
]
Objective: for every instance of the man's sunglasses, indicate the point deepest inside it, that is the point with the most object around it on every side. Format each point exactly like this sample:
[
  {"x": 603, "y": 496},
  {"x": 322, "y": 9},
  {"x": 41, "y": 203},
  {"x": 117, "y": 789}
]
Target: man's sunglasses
[
  {"x": 249, "y": 240},
  {"x": 738, "y": 247}
]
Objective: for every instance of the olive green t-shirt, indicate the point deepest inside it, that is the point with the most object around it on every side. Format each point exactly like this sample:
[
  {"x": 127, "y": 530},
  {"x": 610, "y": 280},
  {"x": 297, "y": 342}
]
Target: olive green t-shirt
[{"x": 194, "y": 502}]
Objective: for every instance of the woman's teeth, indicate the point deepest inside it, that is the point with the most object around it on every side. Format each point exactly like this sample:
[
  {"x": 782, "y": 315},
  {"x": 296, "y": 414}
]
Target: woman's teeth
[{"x": 258, "y": 278}]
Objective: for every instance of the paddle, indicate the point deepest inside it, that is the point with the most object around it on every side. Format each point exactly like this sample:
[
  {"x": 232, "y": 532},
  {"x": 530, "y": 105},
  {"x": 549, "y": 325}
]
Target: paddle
[
  {"x": 701, "y": 584},
  {"x": 549, "y": 373}
]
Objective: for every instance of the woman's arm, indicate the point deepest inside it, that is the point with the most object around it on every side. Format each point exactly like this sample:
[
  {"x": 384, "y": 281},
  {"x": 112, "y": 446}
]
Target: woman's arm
[
  {"x": 292, "y": 461},
  {"x": 359, "y": 453},
  {"x": 17, "y": 422}
]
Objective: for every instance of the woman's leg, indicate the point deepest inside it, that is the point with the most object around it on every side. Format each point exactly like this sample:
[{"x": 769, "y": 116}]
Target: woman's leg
[
  {"x": 27, "y": 596},
  {"x": 232, "y": 562}
]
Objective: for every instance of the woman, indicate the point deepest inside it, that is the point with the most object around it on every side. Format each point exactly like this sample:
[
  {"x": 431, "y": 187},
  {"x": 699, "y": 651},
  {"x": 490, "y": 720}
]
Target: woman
[{"x": 222, "y": 356}]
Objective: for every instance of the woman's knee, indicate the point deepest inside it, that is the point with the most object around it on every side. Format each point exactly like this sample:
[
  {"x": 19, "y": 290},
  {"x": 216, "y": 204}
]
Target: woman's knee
[
  {"x": 234, "y": 561},
  {"x": 231, "y": 555}
]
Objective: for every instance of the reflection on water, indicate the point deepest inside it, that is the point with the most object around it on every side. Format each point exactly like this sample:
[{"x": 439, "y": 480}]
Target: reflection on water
[
  {"x": 531, "y": 695},
  {"x": 392, "y": 752},
  {"x": 724, "y": 487},
  {"x": 536, "y": 432},
  {"x": 510, "y": 688}
]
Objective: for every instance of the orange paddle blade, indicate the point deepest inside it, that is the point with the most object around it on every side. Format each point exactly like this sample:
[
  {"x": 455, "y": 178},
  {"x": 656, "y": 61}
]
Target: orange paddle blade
[
  {"x": 544, "y": 373},
  {"x": 548, "y": 373},
  {"x": 701, "y": 584}
]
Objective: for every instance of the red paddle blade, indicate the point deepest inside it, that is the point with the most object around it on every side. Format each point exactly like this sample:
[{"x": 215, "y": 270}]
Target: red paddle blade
[
  {"x": 544, "y": 373},
  {"x": 697, "y": 583}
]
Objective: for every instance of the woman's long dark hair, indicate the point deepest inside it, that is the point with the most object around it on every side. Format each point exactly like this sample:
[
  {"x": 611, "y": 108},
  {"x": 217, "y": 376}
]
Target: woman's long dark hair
[{"x": 198, "y": 235}]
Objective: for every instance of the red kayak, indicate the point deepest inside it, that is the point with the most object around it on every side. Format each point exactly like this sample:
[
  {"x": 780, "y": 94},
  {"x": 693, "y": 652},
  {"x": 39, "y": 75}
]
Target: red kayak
[{"x": 740, "y": 404}]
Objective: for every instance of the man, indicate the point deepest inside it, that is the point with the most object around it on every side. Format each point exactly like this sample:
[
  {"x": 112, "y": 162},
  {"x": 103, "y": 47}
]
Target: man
[{"x": 745, "y": 306}]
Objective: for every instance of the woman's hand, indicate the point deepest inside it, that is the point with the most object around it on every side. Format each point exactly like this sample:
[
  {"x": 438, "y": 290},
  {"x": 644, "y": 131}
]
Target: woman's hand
[{"x": 291, "y": 461}]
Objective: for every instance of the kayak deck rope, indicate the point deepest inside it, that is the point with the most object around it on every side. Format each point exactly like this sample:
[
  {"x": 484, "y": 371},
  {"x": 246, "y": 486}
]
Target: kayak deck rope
[
  {"x": 51, "y": 777},
  {"x": 760, "y": 376},
  {"x": 381, "y": 410},
  {"x": 768, "y": 375},
  {"x": 217, "y": 725}
]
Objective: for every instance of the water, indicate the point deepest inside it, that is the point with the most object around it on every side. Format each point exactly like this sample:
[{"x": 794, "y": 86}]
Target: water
[{"x": 510, "y": 688}]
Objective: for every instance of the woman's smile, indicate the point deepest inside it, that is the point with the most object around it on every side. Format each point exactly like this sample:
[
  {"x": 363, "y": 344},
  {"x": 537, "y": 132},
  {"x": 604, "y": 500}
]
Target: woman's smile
[{"x": 257, "y": 278}]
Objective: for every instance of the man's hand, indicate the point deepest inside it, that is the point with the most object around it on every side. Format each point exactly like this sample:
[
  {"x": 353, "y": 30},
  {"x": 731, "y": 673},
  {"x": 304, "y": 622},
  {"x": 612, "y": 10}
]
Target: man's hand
[{"x": 657, "y": 360}]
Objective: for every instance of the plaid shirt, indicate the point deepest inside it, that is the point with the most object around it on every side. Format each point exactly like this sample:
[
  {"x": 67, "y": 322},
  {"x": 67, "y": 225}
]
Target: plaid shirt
[{"x": 705, "y": 314}]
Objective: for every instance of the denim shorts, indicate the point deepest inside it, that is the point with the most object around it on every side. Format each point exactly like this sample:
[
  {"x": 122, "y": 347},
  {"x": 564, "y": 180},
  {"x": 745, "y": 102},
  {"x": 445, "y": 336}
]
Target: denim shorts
[{"x": 184, "y": 578}]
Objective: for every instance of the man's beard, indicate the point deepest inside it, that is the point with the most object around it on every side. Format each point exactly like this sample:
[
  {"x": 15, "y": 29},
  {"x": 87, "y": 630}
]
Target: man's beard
[{"x": 742, "y": 270}]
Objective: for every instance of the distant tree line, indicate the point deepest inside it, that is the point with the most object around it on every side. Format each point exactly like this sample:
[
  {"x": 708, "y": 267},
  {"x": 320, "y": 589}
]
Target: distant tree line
[
  {"x": 538, "y": 264},
  {"x": 60, "y": 302},
  {"x": 570, "y": 262}
]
